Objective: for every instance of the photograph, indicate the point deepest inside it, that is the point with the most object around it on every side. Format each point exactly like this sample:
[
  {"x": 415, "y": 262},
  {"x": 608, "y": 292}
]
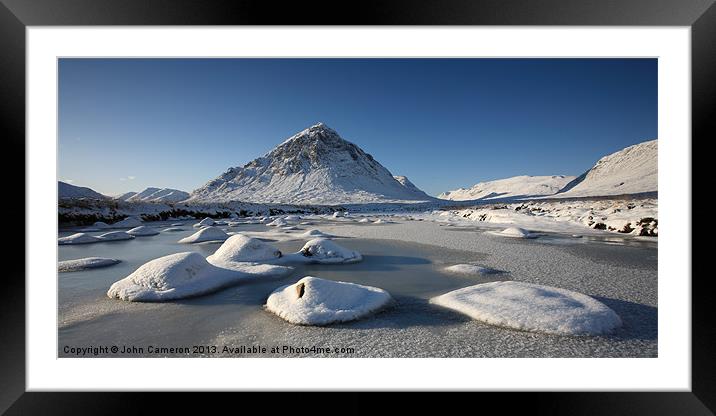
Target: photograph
[{"x": 357, "y": 207}]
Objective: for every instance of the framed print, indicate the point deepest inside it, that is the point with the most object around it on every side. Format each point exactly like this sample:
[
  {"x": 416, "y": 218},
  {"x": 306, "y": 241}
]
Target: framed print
[{"x": 412, "y": 198}]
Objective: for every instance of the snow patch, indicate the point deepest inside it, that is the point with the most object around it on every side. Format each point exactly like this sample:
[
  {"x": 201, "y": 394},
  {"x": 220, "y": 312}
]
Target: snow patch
[
  {"x": 471, "y": 270},
  {"x": 514, "y": 232}
]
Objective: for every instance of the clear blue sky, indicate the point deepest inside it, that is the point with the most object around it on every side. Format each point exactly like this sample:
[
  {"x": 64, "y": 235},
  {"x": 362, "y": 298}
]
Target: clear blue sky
[{"x": 126, "y": 124}]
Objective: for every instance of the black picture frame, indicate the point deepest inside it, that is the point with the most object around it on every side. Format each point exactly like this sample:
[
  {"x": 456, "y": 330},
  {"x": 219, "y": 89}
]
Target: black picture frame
[{"x": 16, "y": 15}]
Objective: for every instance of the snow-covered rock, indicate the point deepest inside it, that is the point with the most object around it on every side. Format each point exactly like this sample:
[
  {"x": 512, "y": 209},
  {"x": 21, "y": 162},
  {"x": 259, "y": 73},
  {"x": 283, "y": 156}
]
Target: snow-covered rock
[
  {"x": 143, "y": 231},
  {"x": 206, "y": 222},
  {"x": 241, "y": 248},
  {"x": 65, "y": 190},
  {"x": 315, "y": 301},
  {"x": 278, "y": 222},
  {"x": 629, "y": 171},
  {"x": 206, "y": 234},
  {"x": 322, "y": 250},
  {"x": 172, "y": 229},
  {"x": 100, "y": 225},
  {"x": 339, "y": 214},
  {"x": 363, "y": 220},
  {"x": 115, "y": 236},
  {"x": 78, "y": 238},
  {"x": 471, "y": 270},
  {"x": 316, "y": 234},
  {"x": 129, "y": 222},
  {"x": 174, "y": 276},
  {"x": 514, "y": 232},
  {"x": 532, "y": 307},
  {"x": 315, "y": 166},
  {"x": 517, "y": 187},
  {"x": 85, "y": 263}
]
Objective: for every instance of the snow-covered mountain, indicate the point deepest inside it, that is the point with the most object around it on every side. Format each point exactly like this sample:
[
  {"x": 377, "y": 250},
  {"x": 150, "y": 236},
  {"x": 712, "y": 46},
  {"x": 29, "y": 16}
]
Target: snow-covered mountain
[
  {"x": 125, "y": 196},
  {"x": 406, "y": 183},
  {"x": 631, "y": 170},
  {"x": 510, "y": 188},
  {"x": 314, "y": 166},
  {"x": 65, "y": 190},
  {"x": 155, "y": 195}
]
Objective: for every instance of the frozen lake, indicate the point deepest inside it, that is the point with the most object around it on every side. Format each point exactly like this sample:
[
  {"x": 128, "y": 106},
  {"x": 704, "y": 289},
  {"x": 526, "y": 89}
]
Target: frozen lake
[{"x": 406, "y": 258}]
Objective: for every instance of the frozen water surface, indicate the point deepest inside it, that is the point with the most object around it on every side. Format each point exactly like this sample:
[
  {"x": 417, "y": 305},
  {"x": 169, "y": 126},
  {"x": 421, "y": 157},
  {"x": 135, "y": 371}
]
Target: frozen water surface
[{"x": 405, "y": 258}]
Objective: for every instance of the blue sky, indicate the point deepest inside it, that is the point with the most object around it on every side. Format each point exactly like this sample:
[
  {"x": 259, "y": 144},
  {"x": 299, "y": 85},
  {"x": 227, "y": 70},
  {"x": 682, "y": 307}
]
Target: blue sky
[{"x": 126, "y": 124}]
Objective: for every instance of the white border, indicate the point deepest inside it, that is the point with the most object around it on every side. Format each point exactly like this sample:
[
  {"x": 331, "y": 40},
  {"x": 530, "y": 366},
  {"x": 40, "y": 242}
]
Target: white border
[{"x": 670, "y": 371}]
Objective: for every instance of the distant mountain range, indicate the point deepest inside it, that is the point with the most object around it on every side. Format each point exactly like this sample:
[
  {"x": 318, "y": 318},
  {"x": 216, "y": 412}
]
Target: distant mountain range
[
  {"x": 517, "y": 187},
  {"x": 318, "y": 167},
  {"x": 314, "y": 166},
  {"x": 155, "y": 195},
  {"x": 632, "y": 170},
  {"x": 66, "y": 190}
]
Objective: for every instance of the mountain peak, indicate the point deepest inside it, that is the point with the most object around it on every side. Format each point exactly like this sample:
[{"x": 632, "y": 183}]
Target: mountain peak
[{"x": 314, "y": 166}]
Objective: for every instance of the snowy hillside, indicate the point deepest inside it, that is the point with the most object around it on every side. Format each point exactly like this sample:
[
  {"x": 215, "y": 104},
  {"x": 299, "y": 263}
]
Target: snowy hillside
[
  {"x": 125, "y": 196},
  {"x": 65, "y": 190},
  {"x": 511, "y": 188},
  {"x": 632, "y": 170},
  {"x": 406, "y": 183},
  {"x": 315, "y": 166},
  {"x": 156, "y": 195}
]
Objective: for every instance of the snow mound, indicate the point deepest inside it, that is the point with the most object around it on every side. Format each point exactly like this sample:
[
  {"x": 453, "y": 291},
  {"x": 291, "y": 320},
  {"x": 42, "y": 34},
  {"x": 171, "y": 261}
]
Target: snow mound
[
  {"x": 206, "y": 234},
  {"x": 532, "y": 307},
  {"x": 241, "y": 253},
  {"x": 85, "y": 263},
  {"x": 239, "y": 247},
  {"x": 174, "y": 276},
  {"x": 514, "y": 232},
  {"x": 471, "y": 270},
  {"x": 172, "y": 229},
  {"x": 115, "y": 236},
  {"x": 100, "y": 225},
  {"x": 314, "y": 301},
  {"x": 206, "y": 222},
  {"x": 143, "y": 231},
  {"x": 338, "y": 214},
  {"x": 278, "y": 222},
  {"x": 363, "y": 220},
  {"x": 129, "y": 222},
  {"x": 78, "y": 238},
  {"x": 315, "y": 234},
  {"x": 322, "y": 250}
]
